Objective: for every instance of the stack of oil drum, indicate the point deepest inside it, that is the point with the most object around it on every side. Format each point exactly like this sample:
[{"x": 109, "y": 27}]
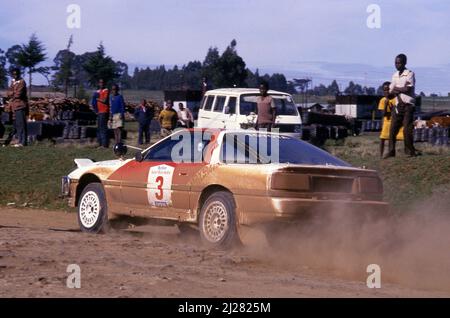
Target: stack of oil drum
[
  {"x": 318, "y": 127},
  {"x": 436, "y": 136},
  {"x": 371, "y": 125}
]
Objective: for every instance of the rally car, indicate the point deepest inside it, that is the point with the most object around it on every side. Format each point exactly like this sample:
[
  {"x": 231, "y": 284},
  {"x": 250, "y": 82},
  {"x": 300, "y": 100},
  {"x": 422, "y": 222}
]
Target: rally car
[{"x": 219, "y": 180}]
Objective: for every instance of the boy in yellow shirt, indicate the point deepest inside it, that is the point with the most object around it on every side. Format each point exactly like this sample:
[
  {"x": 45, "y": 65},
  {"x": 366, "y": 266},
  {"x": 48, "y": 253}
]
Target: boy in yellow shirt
[{"x": 387, "y": 105}]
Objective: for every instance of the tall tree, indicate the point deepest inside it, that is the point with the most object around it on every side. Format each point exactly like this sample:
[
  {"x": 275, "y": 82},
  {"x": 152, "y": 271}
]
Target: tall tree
[
  {"x": 64, "y": 61},
  {"x": 100, "y": 66},
  {"x": 333, "y": 89},
  {"x": 30, "y": 56},
  {"x": 12, "y": 56},
  {"x": 124, "y": 79},
  {"x": 210, "y": 64},
  {"x": 231, "y": 71}
]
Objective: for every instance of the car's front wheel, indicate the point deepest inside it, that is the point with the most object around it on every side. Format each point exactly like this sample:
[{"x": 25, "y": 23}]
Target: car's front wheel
[
  {"x": 217, "y": 222},
  {"x": 93, "y": 209}
]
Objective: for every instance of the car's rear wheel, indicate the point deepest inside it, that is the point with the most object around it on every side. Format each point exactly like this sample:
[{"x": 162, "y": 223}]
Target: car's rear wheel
[
  {"x": 217, "y": 223},
  {"x": 93, "y": 209}
]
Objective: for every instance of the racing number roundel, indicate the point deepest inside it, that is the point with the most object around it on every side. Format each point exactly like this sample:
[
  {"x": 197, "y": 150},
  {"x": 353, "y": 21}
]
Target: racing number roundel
[{"x": 159, "y": 185}]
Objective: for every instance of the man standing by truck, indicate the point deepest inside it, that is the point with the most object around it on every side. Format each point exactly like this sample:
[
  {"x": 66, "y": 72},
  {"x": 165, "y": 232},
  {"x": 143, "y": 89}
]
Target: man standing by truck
[{"x": 266, "y": 108}]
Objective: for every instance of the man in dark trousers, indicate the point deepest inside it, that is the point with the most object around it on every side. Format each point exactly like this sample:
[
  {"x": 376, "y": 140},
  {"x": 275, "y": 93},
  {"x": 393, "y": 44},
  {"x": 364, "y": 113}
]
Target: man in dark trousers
[
  {"x": 402, "y": 88},
  {"x": 101, "y": 97},
  {"x": 144, "y": 115},
  {"x": 266, "y": 109},
  {"x": 18, "y": 103}
]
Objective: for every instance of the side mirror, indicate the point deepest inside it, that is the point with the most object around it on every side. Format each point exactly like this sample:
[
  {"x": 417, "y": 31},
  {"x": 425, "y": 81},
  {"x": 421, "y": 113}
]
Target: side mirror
[
  {"x": 120, "y": 149},
  {"x": 139, "y": 157}
]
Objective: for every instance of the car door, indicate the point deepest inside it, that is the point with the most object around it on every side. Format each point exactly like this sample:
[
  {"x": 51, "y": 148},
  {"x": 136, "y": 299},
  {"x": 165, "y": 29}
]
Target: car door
[{"x": 159, "y": 185}]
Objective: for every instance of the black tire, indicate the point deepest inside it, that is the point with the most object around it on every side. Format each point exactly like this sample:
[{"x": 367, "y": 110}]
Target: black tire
[
  {"x": 93, "y": 209},
  {"x": 219, "y": 209}
]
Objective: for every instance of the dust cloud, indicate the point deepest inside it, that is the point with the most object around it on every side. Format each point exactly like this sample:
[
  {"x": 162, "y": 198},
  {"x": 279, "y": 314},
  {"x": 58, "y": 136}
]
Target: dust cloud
[{"x": 412, "y": 247}]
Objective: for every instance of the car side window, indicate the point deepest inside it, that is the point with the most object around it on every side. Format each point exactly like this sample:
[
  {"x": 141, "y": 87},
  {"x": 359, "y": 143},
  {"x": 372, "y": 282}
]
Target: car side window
[
  {"x": 220, "y": 103},
  {"x": 208, "y": 103},
  {"x": 166, "y": 151},
  {"x": 162, "y": 151}
]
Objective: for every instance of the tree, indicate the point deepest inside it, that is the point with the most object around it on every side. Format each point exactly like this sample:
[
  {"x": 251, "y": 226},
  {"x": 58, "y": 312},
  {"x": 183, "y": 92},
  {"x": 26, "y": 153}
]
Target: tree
[
  {"x": 12, "y": 55},
  {"x": 29, "y": 56},
  {"x": 192, "y": 75},
  {"x": 124, "y": 79},
  {"x": 3, "y": 72},
  {"x": 230, "y": 71},
  {"x": 211, "y": 64},
  {"x": 100, "y": 66},
  {"x": 353, "y": 89},
  {"x": 333, "y": 89},
  {"x": 253, "y": 79},
  {"x": 64, "y": 67}
]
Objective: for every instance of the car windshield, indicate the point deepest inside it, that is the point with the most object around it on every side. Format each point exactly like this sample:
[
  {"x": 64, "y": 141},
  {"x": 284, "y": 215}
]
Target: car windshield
[
  {"x": 284, "y": 103},
  {"x": 265, "y": 148}
]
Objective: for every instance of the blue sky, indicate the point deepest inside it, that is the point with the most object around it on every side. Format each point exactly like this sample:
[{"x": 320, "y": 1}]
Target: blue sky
[{"x": 285, "y": 35}]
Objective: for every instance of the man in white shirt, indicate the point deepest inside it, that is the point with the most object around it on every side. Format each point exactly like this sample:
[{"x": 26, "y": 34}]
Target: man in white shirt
[
  {"x": 402, "y": 88},
  {"x": 185, "y": 118}
]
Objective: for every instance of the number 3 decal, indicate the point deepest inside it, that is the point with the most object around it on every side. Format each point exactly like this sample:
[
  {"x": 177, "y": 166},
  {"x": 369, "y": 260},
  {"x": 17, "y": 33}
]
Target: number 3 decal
[
  {"x": 159, "y": 185},
  {"x": 160, "y": 193}
]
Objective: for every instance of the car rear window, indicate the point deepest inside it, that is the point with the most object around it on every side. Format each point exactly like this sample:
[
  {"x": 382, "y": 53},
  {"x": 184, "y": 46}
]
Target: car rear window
[{"x": 265, "y": 148}]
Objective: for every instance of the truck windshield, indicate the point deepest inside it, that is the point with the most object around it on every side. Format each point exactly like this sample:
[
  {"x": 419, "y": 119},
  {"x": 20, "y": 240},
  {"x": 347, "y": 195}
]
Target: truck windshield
[{"x": 284, "y": 103}]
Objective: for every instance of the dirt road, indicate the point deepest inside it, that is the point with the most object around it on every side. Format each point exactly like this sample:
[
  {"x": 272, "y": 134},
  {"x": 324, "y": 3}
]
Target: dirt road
[{"x": 36, "y": 247}]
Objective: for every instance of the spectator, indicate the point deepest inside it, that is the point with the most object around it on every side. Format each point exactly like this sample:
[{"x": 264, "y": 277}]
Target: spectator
[
  {"x": 168, "y": 119},
  {"x": 94, "y": 102},
  {"x": 144, "y": 115},
  {"x": 185, "y": 118},
  {"x": 18, "y": 102},
  {"x": 386, "y": 105},
  {"x": 117, "y": 113},
  {"x": 102, "y": 102},
  {"x": 402, "y": 89},
  {"x": 266, "y": 109}
]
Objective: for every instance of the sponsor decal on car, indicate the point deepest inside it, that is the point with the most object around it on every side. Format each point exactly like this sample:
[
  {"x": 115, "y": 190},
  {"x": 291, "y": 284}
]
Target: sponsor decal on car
[{"x": 159, "y": 185}]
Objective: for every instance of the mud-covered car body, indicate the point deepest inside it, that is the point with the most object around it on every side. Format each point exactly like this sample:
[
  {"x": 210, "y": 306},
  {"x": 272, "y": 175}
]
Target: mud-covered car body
[{"x": 170, "y": 183}]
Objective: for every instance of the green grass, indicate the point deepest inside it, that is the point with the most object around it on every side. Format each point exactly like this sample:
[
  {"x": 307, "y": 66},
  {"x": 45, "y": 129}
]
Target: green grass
[
  {"x": 31, "y": 175},
  {"x": 407, "y": 181}
]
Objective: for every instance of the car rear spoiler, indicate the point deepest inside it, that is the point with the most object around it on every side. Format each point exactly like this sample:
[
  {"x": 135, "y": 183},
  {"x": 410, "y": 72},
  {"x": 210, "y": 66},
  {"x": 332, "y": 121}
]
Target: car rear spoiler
[{"x": 83, "y": 162}]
